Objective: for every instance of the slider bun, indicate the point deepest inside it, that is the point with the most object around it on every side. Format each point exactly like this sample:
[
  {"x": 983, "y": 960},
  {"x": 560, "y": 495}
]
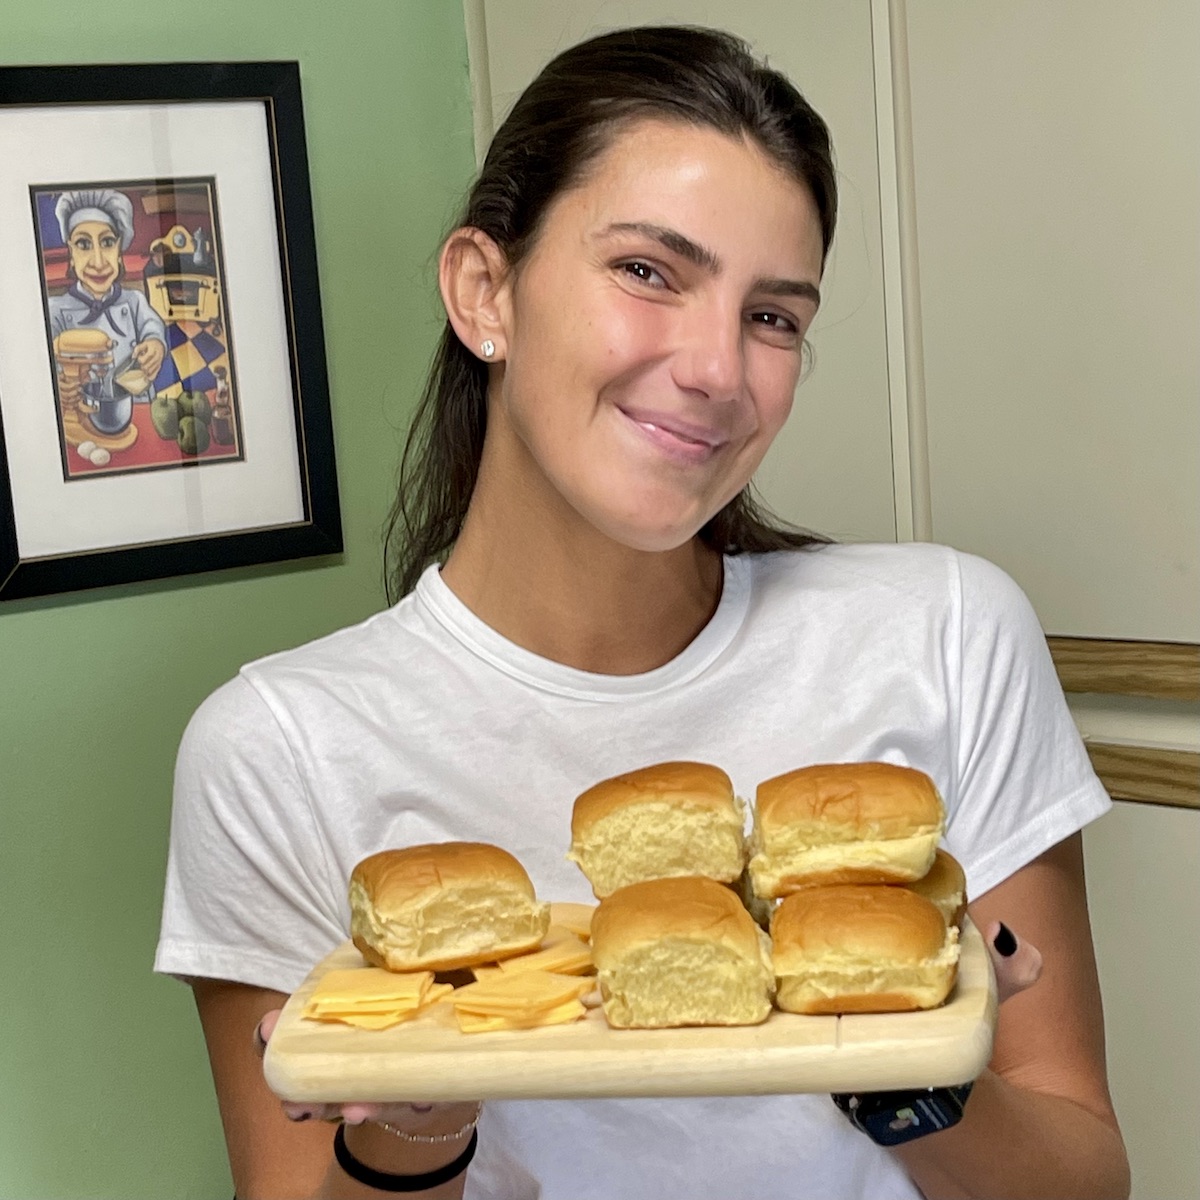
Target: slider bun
[
  {"x": 442, "y": 906},
  {"x": 844, "y": 823},
  {"x": 853, "y": 948},
  {"x": 945, "y": 886},
  {"x": 680, "y": 951},
  {"x": 675, "y": 818}
]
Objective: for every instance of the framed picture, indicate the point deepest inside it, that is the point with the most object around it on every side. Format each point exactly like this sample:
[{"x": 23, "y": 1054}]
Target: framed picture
[{"x": 164, "y": 402}]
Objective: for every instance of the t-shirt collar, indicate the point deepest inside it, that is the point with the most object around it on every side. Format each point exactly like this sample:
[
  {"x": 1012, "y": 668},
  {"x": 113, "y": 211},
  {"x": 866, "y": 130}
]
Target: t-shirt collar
[{"x": 436, "y": 600}]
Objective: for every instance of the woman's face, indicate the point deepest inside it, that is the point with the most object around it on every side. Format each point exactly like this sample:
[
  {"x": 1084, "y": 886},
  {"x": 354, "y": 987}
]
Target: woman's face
[
  {"x": 95, "y": 255},
  {"x": 655, "y": 332}
]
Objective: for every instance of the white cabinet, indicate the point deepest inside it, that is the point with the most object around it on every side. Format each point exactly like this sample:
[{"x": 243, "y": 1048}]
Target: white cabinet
[{"x": 1056, "y": 150}]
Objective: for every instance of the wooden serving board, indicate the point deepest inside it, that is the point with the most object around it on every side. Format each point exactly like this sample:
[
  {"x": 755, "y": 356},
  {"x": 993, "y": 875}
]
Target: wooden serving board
[{"x": 430, "y": 1059}]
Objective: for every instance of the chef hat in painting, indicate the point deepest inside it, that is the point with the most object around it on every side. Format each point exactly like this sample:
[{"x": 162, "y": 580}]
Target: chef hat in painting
[{"x": 96, "y": 204}]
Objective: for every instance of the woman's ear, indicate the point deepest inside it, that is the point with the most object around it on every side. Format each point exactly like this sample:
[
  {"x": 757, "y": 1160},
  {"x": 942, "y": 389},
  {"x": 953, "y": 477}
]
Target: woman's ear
[{"x": 473, "y": 275}]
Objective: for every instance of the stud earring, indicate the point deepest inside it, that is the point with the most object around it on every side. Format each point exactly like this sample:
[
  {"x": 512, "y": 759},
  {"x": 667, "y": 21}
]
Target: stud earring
[{"x": 488, "y": 348}]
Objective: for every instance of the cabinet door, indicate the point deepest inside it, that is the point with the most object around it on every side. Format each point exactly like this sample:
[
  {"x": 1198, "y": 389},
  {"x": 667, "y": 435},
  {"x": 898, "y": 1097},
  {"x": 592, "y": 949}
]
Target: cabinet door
[
  {"x": 831, "y": 468},
  {"x": 1057, "y": 164}
]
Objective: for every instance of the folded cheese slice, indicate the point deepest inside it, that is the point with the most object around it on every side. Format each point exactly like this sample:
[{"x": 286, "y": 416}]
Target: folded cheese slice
[
  {"x": 562, "y": 1014},
  {"x": 371, "y": 998},
  {"x": 560, "y": 933},
  {"x": 482, "y": 973},
  {"x": 566, "y": 956},
  {"x": 575, "y": 917},
  {"x": 520, "y": 995},
  {"x": 368, "y": 986},
  {"x": 372, "y": 1019}
]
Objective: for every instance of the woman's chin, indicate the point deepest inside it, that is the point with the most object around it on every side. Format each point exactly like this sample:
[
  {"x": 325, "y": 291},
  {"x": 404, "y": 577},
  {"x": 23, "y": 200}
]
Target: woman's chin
[{"x": 650, "y": 536}]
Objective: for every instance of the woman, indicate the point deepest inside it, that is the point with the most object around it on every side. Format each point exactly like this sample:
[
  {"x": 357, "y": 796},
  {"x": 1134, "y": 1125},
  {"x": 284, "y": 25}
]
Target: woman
[{"x": 627, "y": 299}]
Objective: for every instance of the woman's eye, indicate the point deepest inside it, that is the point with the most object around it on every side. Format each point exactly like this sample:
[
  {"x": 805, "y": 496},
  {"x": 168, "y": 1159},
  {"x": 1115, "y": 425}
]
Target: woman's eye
[
  {"x": 774, "y": 321},
  {"x": 644, "y": 273}
]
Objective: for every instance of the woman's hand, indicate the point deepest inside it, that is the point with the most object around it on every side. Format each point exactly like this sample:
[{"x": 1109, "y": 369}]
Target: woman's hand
[
  {"x": 1018, "y": 964},
  {"x": 412, "y": 1117}
]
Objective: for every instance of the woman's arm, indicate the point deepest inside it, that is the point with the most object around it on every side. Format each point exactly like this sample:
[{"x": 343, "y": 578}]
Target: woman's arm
[
  {"x": 269, "y": 1155},
  {"x": 274, "y": 1158},
  {"x": 1040, "y": 1121}
]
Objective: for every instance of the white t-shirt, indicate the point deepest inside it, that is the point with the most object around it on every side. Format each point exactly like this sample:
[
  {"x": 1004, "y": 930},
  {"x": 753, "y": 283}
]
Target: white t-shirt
[{"x": 423, "y": 724}]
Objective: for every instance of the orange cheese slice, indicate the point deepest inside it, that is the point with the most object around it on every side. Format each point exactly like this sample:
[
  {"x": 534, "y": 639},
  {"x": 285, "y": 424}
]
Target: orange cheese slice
[
  {"x": 368, "y": 986},
  {"x": 365, "y": 1020},
  {"x": 492, "y": 972},
  {"x": 470, "y": 1022},
  {"x": 519, "y": 995},
  {"x": 381, "y": 1018},
  {"x": 575, "y": 917},
  {"x": 569, "y": 955},
  {"x": 556, "y": 934},
  {"x": 372, "y": 998}
]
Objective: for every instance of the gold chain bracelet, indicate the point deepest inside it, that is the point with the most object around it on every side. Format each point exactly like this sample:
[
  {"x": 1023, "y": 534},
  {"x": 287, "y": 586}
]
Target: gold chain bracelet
[{"x": 434, "y": 1139}]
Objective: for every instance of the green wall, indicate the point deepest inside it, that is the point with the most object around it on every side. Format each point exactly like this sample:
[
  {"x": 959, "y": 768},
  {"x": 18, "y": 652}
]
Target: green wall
[{"x": 104, "y": 1079}]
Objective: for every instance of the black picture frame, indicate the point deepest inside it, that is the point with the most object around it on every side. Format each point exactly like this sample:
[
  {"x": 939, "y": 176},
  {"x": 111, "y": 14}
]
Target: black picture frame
[{"x": 168, "y": 93}]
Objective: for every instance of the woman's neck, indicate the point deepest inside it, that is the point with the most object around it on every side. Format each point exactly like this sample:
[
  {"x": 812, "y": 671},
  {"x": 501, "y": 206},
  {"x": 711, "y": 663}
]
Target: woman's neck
[{"x": 558, "y": 587}]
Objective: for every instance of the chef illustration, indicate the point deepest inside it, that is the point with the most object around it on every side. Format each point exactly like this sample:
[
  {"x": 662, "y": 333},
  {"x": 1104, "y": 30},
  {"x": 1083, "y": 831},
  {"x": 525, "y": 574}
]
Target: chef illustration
[{"x": 97, "y": 226}]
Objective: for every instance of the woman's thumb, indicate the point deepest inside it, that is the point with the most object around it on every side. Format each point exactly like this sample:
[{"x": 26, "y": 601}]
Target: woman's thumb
[
  {"x": 264, "y": 1029},
  {"x": 1018, "y": 964}
]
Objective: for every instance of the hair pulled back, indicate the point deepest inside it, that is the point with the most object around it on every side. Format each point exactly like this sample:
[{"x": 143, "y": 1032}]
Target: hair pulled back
[{"x": 561, "y": 123}]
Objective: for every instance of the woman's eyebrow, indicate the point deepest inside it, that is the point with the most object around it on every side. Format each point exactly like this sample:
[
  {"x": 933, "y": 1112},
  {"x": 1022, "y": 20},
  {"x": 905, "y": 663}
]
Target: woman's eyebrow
[
  {"x": 789, "y": 287},
  {"x": 673, "y": 240},
  {"x": 706, "y": 260}
]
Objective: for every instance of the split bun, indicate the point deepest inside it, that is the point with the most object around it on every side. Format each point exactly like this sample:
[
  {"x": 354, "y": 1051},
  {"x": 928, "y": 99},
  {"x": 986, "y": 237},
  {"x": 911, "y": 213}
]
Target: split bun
[
  {"x": 843, "y": 823},
  {"x": 442, "y": 906},
  {"x": 853, "y": 948},
  {"x": 669, "y": 819}
]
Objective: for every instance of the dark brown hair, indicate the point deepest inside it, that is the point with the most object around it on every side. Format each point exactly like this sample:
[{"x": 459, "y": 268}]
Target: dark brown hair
[{"x": 567, "y": 117}]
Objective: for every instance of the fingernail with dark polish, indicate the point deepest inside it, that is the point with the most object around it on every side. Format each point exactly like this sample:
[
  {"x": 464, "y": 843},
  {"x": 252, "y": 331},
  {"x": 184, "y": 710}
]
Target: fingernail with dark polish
[{"x": 1004, "y": 941}]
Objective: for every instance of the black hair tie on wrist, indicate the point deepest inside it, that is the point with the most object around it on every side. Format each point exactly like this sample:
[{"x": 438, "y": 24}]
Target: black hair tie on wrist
[{"x": 385, "y": 1182}]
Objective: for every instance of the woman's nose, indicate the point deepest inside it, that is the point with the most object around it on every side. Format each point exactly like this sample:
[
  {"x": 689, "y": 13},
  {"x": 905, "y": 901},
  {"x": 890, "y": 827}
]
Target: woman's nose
[{"x": 712, "y": 357}]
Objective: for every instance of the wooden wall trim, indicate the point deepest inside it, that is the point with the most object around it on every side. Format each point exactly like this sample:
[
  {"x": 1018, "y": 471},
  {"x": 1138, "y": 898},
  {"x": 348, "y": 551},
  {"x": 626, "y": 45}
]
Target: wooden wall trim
[
  {"x": 1148, "y": 774},
  {"x": 1160, "y": 670}
]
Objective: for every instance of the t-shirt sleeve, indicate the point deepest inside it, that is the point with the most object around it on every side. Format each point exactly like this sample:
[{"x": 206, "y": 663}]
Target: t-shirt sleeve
[
  {"x": 248, "y": 892},
  {"x": 1024, "y": 780}
]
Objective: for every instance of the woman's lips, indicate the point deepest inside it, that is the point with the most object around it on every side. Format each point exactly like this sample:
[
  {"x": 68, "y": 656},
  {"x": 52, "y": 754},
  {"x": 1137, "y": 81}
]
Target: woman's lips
[{"x": 679, "y": 440}]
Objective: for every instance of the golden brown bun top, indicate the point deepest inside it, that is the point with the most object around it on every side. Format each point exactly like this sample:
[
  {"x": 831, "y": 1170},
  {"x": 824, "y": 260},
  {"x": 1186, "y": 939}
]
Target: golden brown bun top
[
  {"x": 877, "y": 799},
  {"x": 396, "y": 879},
  {"x": 945, "y": 878},
  {"x": 690, "y": 782},
  {"x": 872, "y": 921},
  {"x": 83, "y": 341},
  {"x": 686, "y": 905}
]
